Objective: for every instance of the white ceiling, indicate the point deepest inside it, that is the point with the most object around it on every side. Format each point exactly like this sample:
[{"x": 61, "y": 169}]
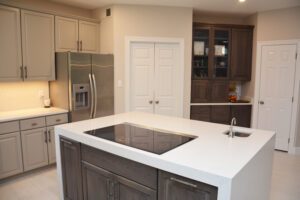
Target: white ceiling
[{"x": 224, "y": 6}]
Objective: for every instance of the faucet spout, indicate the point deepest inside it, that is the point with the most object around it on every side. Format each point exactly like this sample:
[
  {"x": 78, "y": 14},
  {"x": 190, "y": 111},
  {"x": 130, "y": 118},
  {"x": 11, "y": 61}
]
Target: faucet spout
[{"x": 233, "y": 123}]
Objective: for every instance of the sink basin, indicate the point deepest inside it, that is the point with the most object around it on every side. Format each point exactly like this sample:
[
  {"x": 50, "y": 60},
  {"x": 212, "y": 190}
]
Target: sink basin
[{"x": 238, "y": 134}]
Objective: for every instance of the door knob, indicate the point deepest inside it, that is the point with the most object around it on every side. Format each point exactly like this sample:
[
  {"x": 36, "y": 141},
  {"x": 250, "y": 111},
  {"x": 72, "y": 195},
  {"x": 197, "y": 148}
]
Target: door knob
[
  {"x": 261, "y": 102},
  {"x": 150, "y": 102},
  {"x": 157, "y": 102}
]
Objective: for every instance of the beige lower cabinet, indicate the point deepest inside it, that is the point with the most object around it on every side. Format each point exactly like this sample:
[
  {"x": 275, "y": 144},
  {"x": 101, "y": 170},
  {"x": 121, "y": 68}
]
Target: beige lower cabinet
[
  {"x": 51, "y": 145},
  {"x": 10, "y": 154},
  {"x": 35, "y": 148}
]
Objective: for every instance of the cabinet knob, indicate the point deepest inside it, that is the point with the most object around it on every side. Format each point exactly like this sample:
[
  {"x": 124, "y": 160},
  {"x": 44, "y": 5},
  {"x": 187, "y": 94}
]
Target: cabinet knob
[
  {"x": 261, "y": 102},
  {"x": 157, "y": 102},
  {"x": 150, "y": 102},
  {"x": 58, "y": 120}
]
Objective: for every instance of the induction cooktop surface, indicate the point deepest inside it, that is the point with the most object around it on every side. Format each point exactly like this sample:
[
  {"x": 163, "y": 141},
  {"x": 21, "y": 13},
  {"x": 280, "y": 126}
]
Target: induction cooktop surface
[{"x": 144, "y": 138}]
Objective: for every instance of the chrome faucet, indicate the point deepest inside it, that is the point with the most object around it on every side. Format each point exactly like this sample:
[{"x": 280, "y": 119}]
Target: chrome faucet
[{"x": 231, "y": 132}]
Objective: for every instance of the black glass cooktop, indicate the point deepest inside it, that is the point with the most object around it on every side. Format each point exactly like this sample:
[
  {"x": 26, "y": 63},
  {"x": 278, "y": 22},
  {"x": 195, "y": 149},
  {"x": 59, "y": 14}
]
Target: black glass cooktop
[{"x": 144, "y": 138}]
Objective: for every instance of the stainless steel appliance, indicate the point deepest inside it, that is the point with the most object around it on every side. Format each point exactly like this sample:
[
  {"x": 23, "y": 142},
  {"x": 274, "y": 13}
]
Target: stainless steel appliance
[
  {"x": 84, "y": 85},
  {"x": 144, "y": 138}
]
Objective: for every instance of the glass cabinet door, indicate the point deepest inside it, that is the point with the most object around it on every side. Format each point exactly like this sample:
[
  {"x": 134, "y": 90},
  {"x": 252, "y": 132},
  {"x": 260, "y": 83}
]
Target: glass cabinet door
[
  {"x": 201, "y": 53},
  {"x": 221, "y": 53}
]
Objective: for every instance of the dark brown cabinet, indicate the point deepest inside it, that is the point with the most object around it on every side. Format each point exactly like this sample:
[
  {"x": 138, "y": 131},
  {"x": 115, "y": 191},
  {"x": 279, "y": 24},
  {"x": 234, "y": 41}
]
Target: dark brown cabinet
[
  {"x": 204, "y": 91},
  {"x": 223, "y": 114},
  {"x": 242, "y": 114},
  {"x": 220, "y": 114},
  {"x": 241, "y": 51},
  {"x": 101, "y": 184},
  {"x": 174, "y": 187},
  {"x": 221, "y": 53},
  {"x": 71, "y": 169},
  {"x": 201, "y": 92}
]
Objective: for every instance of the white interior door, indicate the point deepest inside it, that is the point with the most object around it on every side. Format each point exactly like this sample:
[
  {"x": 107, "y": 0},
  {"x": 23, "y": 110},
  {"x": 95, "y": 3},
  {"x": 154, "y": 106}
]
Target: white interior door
[
  {"x": 141, "y": 77},
  {"x": 166, "y": 77},
  {"x": 276, "y": 91}
]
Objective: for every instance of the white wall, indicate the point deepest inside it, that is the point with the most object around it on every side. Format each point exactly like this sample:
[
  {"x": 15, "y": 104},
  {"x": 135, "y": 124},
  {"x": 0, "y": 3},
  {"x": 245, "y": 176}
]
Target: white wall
[
  {"x": 148, "y": 21},
  {"x": 21, "y": 95}
]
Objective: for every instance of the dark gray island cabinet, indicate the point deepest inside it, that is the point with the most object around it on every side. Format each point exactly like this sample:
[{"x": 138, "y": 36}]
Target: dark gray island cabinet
[{"x": 92, "y": 174}]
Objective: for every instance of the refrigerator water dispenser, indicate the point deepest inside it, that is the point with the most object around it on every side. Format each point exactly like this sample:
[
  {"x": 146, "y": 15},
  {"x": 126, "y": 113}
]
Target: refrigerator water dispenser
[{"x": 81, "y": 96}]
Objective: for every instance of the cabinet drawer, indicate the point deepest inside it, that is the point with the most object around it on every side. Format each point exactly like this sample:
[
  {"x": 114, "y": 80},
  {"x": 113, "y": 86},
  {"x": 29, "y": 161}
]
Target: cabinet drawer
[
  {"x": 56, "y": 119},
  {"x": 220, "y": 114},
  {"x": 32, "y": 123},
  {"x": 9, "y": 127},
  {"x": 201, "y": 113},
  {"x": 134, "y": 171}
]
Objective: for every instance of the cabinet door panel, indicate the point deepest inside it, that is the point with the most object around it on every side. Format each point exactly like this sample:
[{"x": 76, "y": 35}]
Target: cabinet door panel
[
  {"x": 201, "y": 113},
  {"x": 219, "y": 91},
  {"x": 97, "y": 182},
  {"x": 241, "y": 54},
  {"x": 71, "y": 169},
  {"x": 51, "y": 145},
  {"x": 34, "y": 146},
  {"x": 88, "y": 36},
  {"x": 129, "y": 190},
  {"x": 10, "y": 48},
  {"x": 220, "y": 114},
  {"x": 38, "y": 45},
  {"x": 174, "y": 187},
  {"x": 10, "y": 155},
  {"x": 242, "y": 115},
  {"x": 201, "y": 91},
  {"x": 66, "y": 34}
]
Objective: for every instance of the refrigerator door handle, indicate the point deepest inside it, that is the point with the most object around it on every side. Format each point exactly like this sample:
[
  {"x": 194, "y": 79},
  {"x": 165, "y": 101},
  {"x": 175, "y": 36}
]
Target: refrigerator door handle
[
  {"x": 92, "y": 96},
  {"x": 95, "y": 96}
]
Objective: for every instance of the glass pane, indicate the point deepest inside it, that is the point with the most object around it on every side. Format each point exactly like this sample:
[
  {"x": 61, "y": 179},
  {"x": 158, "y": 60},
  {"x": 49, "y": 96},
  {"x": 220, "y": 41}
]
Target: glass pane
[
  {"x": 200, "y": 53},
  {"x": 221, "y": 53}
]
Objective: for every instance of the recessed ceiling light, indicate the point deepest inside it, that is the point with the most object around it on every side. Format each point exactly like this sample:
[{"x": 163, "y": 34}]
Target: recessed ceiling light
[{"x": 242, "y": 1}]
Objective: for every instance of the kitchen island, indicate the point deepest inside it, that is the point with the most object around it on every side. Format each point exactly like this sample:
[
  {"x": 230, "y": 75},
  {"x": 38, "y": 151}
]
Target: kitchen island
[{"x": 210, "y": 166}]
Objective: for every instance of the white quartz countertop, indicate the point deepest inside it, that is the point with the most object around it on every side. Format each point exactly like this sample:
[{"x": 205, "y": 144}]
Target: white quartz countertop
[
  {"x": 212, "y": 157},
  {"x": 29, "y": 113}
]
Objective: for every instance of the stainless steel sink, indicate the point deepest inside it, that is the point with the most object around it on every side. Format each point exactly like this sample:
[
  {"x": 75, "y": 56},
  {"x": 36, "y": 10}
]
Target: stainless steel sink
[{"x": 239, "y": 134}]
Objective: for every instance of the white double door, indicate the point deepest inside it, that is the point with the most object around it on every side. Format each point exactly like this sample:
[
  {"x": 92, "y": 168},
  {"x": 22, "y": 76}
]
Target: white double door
[
  {"x": 278, "y": 64},
  {"x": 155, "y": 78}
]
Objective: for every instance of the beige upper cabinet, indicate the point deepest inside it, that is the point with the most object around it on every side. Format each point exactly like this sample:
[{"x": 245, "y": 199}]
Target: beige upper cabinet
[
  {"x": 76, "y": 36},
  {"x": 38, "y": 45},
  {"x": 66, "y": 34},
  {"x": 88, "y": 36},
  {"x": 10, "y": 44}
]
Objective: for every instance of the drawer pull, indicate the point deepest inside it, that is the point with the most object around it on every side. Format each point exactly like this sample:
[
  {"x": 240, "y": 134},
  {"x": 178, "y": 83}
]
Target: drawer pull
[
  {"x": 34, "y": 124},
  {"x": 58, "y": 120},
  {"x": 65, "y": 141},
  {"x": 183, "y": 182},
  {"x": 45, "y": 136},
  {"x": 49, "y": 136}
]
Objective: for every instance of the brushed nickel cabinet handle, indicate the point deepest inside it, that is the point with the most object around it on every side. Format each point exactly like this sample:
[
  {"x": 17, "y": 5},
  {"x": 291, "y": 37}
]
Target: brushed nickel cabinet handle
[
  {"x": 157, "y": 102},
  {"x": 65, "y": 141},
  {"x": 150, "y": 102},
  {"x": 45, "y": 132},
  {"x": 26, "y": 75},
  {"x": 80, "y": 45},
  {"x": 261, "y": 102},
  {"x": 49, "y": 136},
  {"x": 34, "y": 124},
  {"x": 183, "y": 182},
  {"x": 58, "y": 120}
]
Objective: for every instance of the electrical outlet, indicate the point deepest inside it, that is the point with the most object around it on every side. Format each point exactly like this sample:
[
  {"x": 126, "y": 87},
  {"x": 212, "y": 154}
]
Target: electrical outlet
[{"x": 41, "y": 93}]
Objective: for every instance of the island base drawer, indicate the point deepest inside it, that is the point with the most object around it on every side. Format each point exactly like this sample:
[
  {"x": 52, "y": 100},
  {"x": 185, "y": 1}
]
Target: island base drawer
[{"x": 134, "y": 171}]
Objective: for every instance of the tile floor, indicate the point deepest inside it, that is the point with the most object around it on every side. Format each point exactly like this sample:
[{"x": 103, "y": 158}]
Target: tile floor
[{"x": 42, "y": 184}]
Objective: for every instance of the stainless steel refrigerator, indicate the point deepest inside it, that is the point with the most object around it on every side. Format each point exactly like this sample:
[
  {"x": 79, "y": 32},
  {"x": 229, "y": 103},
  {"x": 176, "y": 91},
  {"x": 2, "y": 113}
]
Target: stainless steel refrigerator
[{"x": 84, "y": 85}]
